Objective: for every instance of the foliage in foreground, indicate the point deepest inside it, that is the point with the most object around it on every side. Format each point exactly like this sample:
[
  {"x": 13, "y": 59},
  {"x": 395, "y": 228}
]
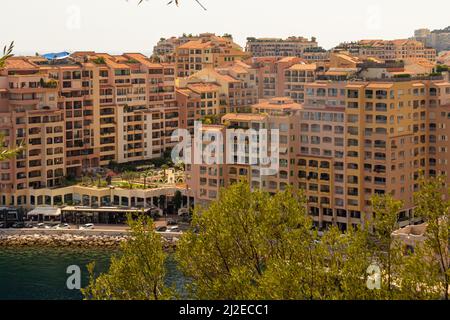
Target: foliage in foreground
[
  {"x": 5, "y": 152},
  {"x": 137, "y": 273},
  {"x": 251, "y": 245}
]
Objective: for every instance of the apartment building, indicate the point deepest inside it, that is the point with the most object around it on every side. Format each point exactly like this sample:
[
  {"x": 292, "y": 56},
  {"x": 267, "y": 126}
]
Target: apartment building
[
  {"x": 444, "y": 58},
  {"x": 276, "y": 47},
  {"x": 30, "y": 116},
  {"x": 348, "y": 141},
  {"x": 235, "y": 85},
  {"x": 189, "y": 107},
  {"x": 208, "y": 51},
  {"x": 270, "y": 73},
  {"x": 77, "y": 113},
  {"x": 295, "y": 79},
  {"x": 438, "y": 119},
  {"x": 165, "y": 48},
  {"x": 137, "y": 106},
  {"x": 316, "y": 55},
  {"x": 400, "y": 49},
  {"x": 240, "y": 159},
  {"x": 437, "y": 39},
  {"x": 387, "y": 141}
]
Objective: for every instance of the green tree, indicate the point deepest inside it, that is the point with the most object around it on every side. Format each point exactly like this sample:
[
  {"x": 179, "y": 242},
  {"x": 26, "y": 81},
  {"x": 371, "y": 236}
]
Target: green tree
[
  {"x": 129, "y": 177},
  {"x": 242, "y": 239},
  {"x": 432, "y": 207},
  {"x": 147, "y": 174},
  {"x": 387, "y": 252},
  {"x": 421, "y": 277},
  {"x": 180, "y": 166},
  {"x": 178, "y": 200},
  {"x": 342, "y": 262},
  {"x": 332, "y": 266},
  {"x": 99, "y": 179},
  {"x": 164, "y": 167},
  {"x": 138, "y": 273},
  {"x": 252, "y": 245},
  {"x": 7, "y": 53}
]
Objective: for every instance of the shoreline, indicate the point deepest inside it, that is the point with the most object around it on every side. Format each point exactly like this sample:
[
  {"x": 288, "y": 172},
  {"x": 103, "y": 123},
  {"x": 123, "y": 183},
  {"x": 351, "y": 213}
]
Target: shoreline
[{"x": 72, "y": 238}]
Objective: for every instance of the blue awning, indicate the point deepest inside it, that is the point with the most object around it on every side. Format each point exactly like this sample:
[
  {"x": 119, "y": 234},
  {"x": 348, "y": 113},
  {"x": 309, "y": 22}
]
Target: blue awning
[{"x": 56, "y": 55}]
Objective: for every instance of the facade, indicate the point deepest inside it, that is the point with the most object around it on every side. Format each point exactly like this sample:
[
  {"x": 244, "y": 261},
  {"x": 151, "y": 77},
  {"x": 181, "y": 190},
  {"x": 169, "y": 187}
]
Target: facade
[
  {"x": 348, "y": 141},
  {"x": 275, "y": 47},
  {"x": 137, "y": 106},
  {"x": 271, "y": 74},
  {"x": 165, "y": 48},
  {"x": 295, "y": 79},
  {"x": 401, "y": 49},
  {"x": 437, "y": 39},
  {"x": 80, "y": 113},
  {"x": 205, "y": 180},
  {"x": 444, "y": 58},
  {"x": 208, "y": 50},
  {"x": 367, "y": 120},
  {"x": 388, "y": 133},
  {"x": 234, "y": 86}
]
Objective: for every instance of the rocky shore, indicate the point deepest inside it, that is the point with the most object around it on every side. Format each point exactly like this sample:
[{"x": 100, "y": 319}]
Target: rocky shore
[{"x": 70, "y": 240}]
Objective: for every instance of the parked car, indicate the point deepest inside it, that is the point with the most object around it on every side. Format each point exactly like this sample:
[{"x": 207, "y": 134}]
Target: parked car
[
  {"x": 62, "y": 226},
  {"x": 161, "y": 229},
  {"x": 171, "y": 222},
  {"x": 186, "y": 218},
  {"x": 2, "y": 225},
  {"x": 156, "y": 212},
  {"x": 40, "y": 225},
  {"x": 173, "y": 229},
  {"x": 87, "y": 226},
  {"x": 183, "y": 211},
  {"x": 18, "y": 225}
]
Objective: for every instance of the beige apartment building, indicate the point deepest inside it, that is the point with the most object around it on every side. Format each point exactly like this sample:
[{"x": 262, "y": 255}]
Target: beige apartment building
[
  {"x": 137, "y": 106},
  {"x": 82, "y": 112},
  {"x": 275, "y": 47},
  {"x": 208, "y": 50},
  {"x": 233, "y": 88},
  {"x": 377, "y": 137},
  {"x": 164, "y": 50},
  {"x": 295, "y": 79},
  {"x": 349, "y": 127},
  {"x": 205, "y": 180},
  {"x": 347, "y": 142},
  {"x": 271, "y": 74},
  {"x": 401, "y": 49}
]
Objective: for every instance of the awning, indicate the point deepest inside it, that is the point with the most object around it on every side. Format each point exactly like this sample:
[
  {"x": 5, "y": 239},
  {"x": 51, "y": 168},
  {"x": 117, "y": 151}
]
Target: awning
[
  {"x": 56, "y": 55},
  {"x": 45, "y": 211}
]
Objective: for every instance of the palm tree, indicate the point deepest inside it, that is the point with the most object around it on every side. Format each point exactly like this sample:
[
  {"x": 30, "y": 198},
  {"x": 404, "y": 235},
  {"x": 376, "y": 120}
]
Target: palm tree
[
  {"x": 164, "y": 167},
  {"x": 129, "y": 177},
  {"x": 147, "y": 174},
  {"x": 180, "y": 166},
  {"x": 7, "y": 53},
  {"x": 5, "y": 152},
  {"x": 99, "y": 179}
]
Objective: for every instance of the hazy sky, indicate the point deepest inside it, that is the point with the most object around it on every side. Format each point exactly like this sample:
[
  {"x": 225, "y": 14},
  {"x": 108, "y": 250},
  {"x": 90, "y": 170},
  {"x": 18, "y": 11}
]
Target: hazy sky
[{"x": 122, "y": 26}]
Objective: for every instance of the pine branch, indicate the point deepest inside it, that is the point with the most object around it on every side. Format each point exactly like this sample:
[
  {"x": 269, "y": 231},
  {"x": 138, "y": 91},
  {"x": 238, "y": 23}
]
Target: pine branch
[
  {"x": 177, "y": 3},
  {"x": 7, "y": 53}
]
